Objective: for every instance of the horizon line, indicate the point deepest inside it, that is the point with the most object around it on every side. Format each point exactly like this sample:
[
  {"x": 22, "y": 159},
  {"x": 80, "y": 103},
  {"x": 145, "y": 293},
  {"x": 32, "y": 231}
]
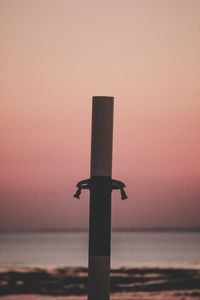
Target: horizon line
[{"x": 129, "y": 229}]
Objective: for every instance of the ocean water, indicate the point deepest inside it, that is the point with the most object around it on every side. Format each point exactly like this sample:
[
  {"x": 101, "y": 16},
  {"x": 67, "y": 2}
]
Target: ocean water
[{"x": 129, "y": 249}]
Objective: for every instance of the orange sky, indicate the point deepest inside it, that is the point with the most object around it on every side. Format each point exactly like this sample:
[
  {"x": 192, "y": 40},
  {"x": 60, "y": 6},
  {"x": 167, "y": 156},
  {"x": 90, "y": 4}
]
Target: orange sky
[{"x": 54, "y": 56}]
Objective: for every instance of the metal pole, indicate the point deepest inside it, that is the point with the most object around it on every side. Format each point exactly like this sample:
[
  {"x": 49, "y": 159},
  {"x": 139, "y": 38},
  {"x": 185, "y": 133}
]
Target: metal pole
[
  {"x": 100, "y": 185},
  {"x": 100, "y": 198}
]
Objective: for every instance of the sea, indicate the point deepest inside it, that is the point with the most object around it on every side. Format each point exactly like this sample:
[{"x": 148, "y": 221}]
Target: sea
[{"x": 131, "y": 249}]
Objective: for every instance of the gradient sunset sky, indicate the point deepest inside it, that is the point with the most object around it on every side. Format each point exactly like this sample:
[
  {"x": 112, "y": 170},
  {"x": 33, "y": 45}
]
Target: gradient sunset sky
[{"x": 54, "y": 56}]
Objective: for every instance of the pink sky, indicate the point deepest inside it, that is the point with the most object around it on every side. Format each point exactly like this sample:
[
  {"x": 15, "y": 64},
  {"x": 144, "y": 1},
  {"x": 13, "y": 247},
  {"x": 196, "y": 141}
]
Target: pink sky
[{"x": 54, "y": 56}]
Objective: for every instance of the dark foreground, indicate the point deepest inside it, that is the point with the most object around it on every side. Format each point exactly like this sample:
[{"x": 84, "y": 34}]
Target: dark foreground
[{"x": 125, "y": 283}]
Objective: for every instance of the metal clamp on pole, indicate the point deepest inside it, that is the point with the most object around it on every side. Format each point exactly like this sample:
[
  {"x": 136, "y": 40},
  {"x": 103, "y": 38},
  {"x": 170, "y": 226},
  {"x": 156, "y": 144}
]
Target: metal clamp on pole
[{"x": 89, "y": 184}]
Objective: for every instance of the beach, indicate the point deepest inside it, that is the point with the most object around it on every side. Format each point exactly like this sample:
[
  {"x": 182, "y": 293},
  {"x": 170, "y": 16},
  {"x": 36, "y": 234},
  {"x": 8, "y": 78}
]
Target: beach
[
  {"x": 126, "y": 283},
  {"x": 144, "y": 265}
]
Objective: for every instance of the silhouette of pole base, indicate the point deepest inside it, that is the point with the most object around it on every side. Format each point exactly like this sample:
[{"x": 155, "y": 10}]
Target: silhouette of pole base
[
  {"x": 99, "y": 281},
  {"x": 99, "y": 238}
]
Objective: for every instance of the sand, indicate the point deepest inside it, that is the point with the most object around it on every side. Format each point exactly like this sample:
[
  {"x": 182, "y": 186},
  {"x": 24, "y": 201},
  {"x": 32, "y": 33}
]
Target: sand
[
  {"x": 126, "y": 284},
  {"x": 120, "y": 296}
]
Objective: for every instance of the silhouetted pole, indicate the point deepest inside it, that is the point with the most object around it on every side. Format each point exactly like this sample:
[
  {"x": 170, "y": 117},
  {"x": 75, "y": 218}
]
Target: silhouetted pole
[
  {"x": 100, "y": 198},
  {"x": 100, "y": 185}
]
